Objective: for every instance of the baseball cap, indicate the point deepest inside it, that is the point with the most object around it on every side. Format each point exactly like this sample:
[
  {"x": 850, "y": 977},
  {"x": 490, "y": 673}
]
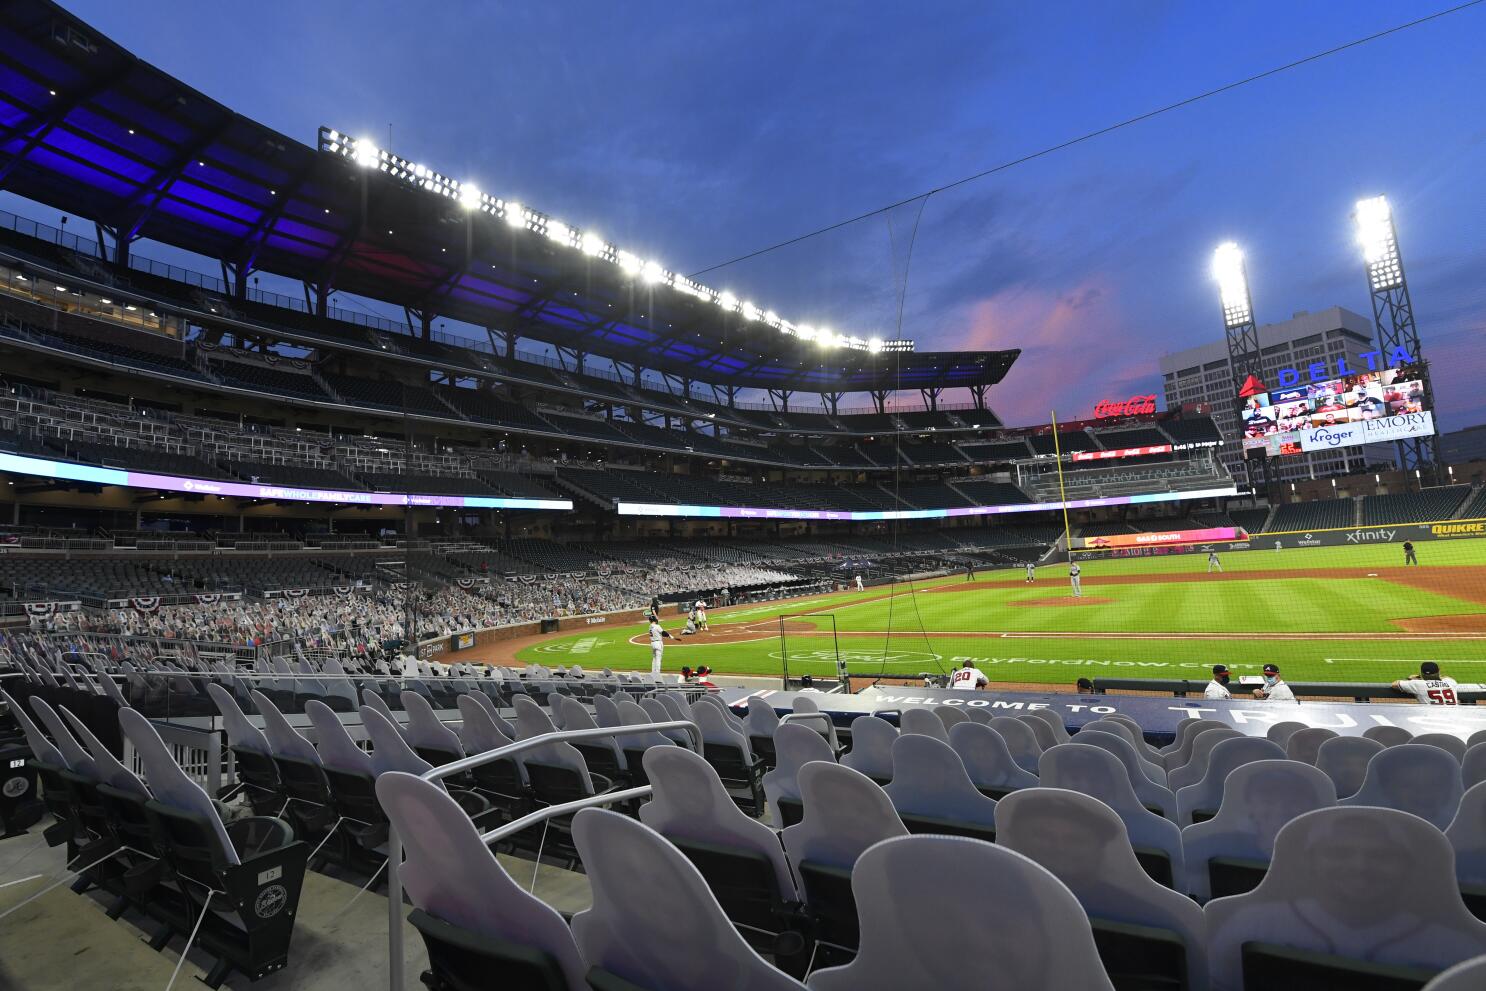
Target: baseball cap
[
  {"x": 1429, "y": 669},
  {"x": 1220, "y": 669},
  {"x": 1271, "y": 669}
]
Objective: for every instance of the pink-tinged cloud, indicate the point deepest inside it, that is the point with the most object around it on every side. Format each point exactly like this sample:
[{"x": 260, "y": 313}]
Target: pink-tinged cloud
[{"x": 1076, "y": 350}]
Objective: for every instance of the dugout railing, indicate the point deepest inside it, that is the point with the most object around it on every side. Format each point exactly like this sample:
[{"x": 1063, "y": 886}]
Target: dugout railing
[
  {"x": 1356, "y": 691},
  {"x": 395, "y": 947}
]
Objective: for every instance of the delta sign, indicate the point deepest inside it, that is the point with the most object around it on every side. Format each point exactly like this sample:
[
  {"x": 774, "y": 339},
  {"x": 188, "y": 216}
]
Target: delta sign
[{"x": 1320, "y": 371}]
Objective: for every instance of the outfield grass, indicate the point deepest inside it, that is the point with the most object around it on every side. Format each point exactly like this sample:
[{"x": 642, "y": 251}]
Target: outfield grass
[{"x": 1342, "y": 625}]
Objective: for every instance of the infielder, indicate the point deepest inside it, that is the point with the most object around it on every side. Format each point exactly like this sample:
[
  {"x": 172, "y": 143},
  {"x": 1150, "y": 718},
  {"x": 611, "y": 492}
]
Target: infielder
[
  {"x": 657, "y": 646},
  {"x": 859, "y": 583},
  {"x": 1213, "y": 562},
  {"x": 1075, "y": 581},
  {"x": 1031, "y": 573}
]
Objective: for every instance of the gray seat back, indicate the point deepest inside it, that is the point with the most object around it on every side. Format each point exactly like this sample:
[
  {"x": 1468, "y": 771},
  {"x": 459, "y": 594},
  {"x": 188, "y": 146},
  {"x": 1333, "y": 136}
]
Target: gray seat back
[
  {"x": 1388, "y": 736},
  {"x": 605, "y": 712},
  {"x": 1046, "y": 738},
  {"x": 929, "y": 780},
  {"x": 41, "y": 748},
  {"x": 283, "y": 740},
  {"x": 75, "y": 758},
  {"x": 1225, "y": 757},
  {"x": 1468, "y": 838},
  {"x": 1447, "y": 742},
  {"x": 1344, "y": 760},
  {"x": 1415, "y": 778},
  {"x": 1083, "y": 843},
  {"x": 390, "y": 752},
  {"x": 450, "y": 874},
  {"x": 1258, "y": 799},
  {"x": 950, "y": 714},
  {"x": 925, "y": 721},
  {"x": 689, "y": 802},
  {"x": 424, "y": 728},
  {"x": 110, "y": 771},
  {"x": 1281, "y": 731},
  {"x": 241, "y": 734},
  {"x": 1305, "y": 744},
  {"x": 717, "y": 730},
  {"x": 987, "y": 759},
  {"x": 334, "y": 745},
  {"x": 168, "y": 784},
  {"x": 631, "y": 714},
  {"x": 795, "y": 745},
  {"x": 1020, "y": 740},
  {"x": 1099, "y": 774},
  {"x": 923, "y": 899},
  {"x": 1473, "y": 766},
  {"x": 871, "y": 753},
  {"x": 632, "y": 869},
  {"x": 845, "y": 813},
  {"x": 1372, "y": 884},
  {"x": 1202, "y": 747},
  {"x": 1150, "y": 794},
  {"x": 762, "y": 719}
]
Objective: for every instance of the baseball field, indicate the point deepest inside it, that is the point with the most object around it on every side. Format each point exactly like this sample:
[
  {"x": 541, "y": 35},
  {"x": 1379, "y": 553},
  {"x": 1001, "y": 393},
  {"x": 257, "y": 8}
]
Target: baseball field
[{"x": 1352, "y": 613}]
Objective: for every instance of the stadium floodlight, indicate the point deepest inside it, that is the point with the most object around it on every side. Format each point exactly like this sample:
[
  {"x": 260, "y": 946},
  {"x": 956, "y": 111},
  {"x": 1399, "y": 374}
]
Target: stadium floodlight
[
  {"x": 826, "y": 337},
  {"x": 365, "y": 153},
  {"x": 1379, "y": 240},
  {"x": 368, "y": 155},
  {"x": 1233, "y": 285},
  {"x": 874, "y": 345},
  {"x": 805, "y": 332}
]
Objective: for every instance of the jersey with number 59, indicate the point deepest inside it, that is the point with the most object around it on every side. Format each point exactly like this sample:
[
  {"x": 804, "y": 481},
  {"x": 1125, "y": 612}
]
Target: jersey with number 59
[{"x": 1431, "y": 691}]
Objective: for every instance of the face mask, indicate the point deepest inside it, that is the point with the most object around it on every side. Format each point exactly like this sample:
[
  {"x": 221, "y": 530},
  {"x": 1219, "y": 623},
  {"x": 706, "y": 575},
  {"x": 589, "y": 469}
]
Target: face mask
[
  {"x": 1270, "y": 679},
  {"x": 1223, "y": 679}
]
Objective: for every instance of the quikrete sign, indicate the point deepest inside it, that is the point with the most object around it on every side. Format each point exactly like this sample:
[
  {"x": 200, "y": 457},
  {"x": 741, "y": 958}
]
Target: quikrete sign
[{"x": 1134, "y": 406}]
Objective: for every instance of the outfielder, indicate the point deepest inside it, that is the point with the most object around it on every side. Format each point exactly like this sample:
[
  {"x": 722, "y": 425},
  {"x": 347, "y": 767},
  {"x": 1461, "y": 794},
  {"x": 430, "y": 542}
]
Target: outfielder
[
  {"x": 1075, "y": 580},
  {"x": 657, "y": 646},
  {"x": 1213, "y": 562}
]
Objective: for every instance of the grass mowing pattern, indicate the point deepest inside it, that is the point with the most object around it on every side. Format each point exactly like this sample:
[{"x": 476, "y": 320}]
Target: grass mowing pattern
[{"x": 1322, "y": 614}]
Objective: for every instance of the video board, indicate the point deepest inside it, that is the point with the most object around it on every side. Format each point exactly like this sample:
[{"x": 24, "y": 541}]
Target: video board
[{"x": 1370, "y": 407}]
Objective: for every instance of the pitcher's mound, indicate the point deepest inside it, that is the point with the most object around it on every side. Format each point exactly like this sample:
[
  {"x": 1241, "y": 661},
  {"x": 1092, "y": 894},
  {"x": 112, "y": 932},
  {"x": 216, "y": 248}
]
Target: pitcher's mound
[{"x": 1065, "y": 600}]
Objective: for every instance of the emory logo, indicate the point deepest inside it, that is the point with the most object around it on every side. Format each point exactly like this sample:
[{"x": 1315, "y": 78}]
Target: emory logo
[
  {"x": 1251, "y": 387},
  {"x": 1134, "y": 406}
]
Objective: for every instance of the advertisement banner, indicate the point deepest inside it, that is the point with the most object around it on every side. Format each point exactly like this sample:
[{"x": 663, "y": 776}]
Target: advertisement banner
[
  {"x": 1123, "y": 452},
  {"x": 1160, "y": 538},
  {"x": 462, "y": 641},
  {"x": 1393, "y": 533}
]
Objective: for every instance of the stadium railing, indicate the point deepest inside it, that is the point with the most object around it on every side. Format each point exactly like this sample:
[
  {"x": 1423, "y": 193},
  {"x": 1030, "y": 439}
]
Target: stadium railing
[
  {"x": 394, "y": 841},
  {"x": 1357, "y": 691}
]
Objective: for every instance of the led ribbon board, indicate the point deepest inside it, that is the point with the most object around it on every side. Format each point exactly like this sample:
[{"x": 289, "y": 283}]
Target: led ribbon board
[
  {"x": 20, "y": 465},
  {"x": 754, "y": 513},
  {"x": 1213, "y": 535}
]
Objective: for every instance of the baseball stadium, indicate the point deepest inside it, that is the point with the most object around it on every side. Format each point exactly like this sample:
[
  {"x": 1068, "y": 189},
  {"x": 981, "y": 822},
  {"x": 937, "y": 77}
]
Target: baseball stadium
[{"x": 417, "y": 569}]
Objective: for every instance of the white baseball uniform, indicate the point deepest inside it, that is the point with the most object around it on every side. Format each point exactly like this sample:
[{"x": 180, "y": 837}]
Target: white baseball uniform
[
  {"x": 968, "y": 679},
  {"x": 1216, "y": 690},
  {"x": 657, "y": 646},
  {"x": 1431, "y": 691},
  {"x": 1073, "y": 577},
  {"x": 1278, "y": 692}
]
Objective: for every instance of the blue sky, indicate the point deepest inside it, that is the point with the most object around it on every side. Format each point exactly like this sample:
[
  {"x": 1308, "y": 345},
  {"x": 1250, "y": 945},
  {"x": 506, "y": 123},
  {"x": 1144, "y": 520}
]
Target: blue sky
[{"x": 697, "y": 132}]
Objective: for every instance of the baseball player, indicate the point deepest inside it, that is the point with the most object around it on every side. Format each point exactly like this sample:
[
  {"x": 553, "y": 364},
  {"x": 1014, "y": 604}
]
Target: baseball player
[
  {"x": 1274, "y": 688},
  {"x": 1428, "y": 686},
  {"x": 969, "y": 571},
  {"x": 1075, "y": 580},
  {"x": 1218, "y": 687},
  {"x": 859, "y": 583},
  {"x": 1031, "y": 572},
  {"x": 1213, "y": 562},
  {"x": 968, "y": 678},
  {"x": 701, "y": 612},
  {"x": 1409, "y": 557},
  {"x": 657, "y": 645}
]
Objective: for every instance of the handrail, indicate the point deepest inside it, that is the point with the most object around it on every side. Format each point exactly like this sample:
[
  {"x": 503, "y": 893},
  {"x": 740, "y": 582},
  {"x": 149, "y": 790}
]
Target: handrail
[{"x": 394, "y": 842}]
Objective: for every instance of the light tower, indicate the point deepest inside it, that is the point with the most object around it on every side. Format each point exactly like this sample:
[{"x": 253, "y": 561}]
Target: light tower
[
  {"x": 1240, "y": 330},
  {"x": 1393, "y": 314}
]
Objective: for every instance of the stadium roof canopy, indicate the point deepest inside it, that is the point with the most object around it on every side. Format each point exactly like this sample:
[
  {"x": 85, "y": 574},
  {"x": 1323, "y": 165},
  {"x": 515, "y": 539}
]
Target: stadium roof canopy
[{"x": 93, "y": 131}]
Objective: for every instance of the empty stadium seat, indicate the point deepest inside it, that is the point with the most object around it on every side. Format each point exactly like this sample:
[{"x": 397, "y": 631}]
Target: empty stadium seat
[
  {"x": 1344, "y": 760},
  {"x": 1153, "y": 769},
  {"x": 1157, "y": 798},
  {"x": 1146, "y": 932},
  {"x": 1388, "y": 736},
  {"x": 1229, "y": 853},
  {"x": 1020, "y": 740},
  {"x": 1202, "y": 747},
  {"x": 987, "y": 761},
  {"x": 932, "y": 793},
  {"x": 1282, "y": 731},
  {"x": 927, "y": 903},
  {"x": 627, "y": 944},
  {"x": 1198, "y": 802},
  {"x": 1415, "y": 778},
  {"x": 924, "y": 721},
  {"x": 1473, "y": 766},
  {"x": 1092, "y": 771},
  {"x": 794, "y": 747},
  {"x": 474, "y": 919},
  {"x": 1341, "y": 906},
  {"x": 844, "y": 814},
  {"x": 741, "y": 858},
  {"x": 871, "y": 753},
  {"x": 1305, "y": 744}
]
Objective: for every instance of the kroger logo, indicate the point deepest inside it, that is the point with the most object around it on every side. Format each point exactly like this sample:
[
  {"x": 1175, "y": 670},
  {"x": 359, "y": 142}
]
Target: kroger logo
[{"x": 1330, "y": 438}]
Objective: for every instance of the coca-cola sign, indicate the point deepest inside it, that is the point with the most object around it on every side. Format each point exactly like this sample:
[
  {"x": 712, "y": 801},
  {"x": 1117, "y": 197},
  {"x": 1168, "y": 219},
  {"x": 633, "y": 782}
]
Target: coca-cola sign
[{"x": 1134, "y": 406}]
